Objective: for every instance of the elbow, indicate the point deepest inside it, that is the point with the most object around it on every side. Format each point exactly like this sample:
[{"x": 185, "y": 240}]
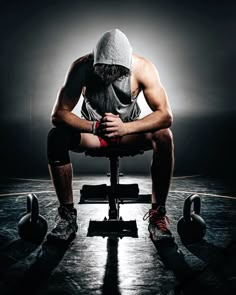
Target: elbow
[
  {"x": 168, "y": 120},
  {"x": 55, "y": 119}
]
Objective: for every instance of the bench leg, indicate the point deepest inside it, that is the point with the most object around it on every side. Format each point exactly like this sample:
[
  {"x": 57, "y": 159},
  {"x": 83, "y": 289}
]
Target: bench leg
[{"x": 113, "y": 194}]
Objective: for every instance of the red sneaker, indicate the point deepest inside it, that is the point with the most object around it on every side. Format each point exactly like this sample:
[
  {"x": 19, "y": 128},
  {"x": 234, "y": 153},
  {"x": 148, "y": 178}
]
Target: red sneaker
[{"x": 158, "y": 224}]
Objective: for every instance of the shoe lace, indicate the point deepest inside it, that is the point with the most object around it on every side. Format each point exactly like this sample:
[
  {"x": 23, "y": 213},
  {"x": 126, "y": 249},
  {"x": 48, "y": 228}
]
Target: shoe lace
[
  {"x": 63, "y": 218},
  {"x": 160, "y": 221},
  {"x": 61, "y": 222}
]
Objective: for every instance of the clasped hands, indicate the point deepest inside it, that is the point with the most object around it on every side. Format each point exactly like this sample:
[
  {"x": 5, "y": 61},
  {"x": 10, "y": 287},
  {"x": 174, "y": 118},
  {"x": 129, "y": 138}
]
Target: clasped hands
[{"x": 111, "y": 126}]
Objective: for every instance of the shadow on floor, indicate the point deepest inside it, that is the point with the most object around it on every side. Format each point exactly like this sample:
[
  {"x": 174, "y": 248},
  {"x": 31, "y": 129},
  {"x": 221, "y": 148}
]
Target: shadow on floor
[
  {"x": 29, "y": 274},
  {"x": 217, "y": 277},
  {"x": 13, "y": 252},
  {"x": 111, "y": 276}
]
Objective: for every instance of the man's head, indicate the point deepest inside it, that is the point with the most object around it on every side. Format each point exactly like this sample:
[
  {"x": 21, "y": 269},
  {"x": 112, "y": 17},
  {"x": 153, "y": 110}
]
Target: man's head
[{"x": 112, "y": 56}]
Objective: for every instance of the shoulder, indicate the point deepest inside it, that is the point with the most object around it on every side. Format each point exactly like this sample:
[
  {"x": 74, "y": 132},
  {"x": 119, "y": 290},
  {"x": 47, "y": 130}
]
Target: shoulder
[
  {"x": 143, "y": 70},
  {"x": 141, "y": 65},
  {"x": 79, "y": 68},
  {"x": 82, "y": 62}
]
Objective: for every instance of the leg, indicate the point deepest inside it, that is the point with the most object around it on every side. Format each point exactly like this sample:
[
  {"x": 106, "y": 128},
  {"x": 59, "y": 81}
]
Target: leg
[
  {"x": 161, "y": 172},
  {"x": 62, "y": 181},
  {"x": 60, "y": 141},
  {"x": 162, "y": 163},
  {"x": 162, "y": 166}
]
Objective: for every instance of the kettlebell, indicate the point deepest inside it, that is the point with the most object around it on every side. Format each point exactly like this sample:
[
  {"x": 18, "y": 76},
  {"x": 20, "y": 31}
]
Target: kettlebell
[
  {"x": 191, "y": 227},
  {"x": 32, "y": 227}
]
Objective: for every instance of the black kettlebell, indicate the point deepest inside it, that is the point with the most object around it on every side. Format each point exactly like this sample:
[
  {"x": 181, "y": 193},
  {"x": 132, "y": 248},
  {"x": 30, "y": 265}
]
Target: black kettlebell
[
  {"x": 191, "y": 227},
  {"x": 32, "y": 227}
]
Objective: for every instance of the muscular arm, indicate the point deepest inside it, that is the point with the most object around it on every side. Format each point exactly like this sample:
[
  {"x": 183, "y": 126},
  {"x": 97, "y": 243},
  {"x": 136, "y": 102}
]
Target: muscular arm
[
  {"x": 157, "y": 99},
  {"x": 68, "y": 98}
]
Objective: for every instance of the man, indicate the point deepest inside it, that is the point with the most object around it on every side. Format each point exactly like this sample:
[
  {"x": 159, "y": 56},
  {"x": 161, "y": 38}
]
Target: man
[{"x": 110, "y": 80}]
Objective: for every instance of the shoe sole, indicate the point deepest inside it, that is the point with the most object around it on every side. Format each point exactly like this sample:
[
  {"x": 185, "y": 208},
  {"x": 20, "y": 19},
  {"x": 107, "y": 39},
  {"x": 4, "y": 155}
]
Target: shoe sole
[
  {"x": 51, "y": 238},
  {"x": 161, "y": 239}
]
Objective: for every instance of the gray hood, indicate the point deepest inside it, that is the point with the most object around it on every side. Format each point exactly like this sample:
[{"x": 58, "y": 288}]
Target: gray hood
[{"x": 113, "y": 48}]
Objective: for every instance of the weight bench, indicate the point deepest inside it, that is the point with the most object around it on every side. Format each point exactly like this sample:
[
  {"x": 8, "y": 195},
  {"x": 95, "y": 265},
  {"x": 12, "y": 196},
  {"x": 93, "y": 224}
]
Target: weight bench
[{"x": 115, "y": 194}]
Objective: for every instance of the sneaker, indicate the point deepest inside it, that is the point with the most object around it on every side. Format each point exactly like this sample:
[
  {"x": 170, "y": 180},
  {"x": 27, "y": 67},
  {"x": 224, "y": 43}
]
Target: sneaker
[
  {"x": 66, "y": 226},
  {"x": 158, "y": 224}
]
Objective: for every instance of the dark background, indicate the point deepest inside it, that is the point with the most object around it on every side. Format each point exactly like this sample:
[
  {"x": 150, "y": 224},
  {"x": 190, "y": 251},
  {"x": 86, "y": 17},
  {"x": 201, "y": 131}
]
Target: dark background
[{"x": 191, "y": 43}]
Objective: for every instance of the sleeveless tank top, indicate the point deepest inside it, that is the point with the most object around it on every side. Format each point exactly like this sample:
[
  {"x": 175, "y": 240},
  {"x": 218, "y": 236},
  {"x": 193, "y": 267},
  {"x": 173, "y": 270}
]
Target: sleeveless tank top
[{"x": 113, "y": 98}]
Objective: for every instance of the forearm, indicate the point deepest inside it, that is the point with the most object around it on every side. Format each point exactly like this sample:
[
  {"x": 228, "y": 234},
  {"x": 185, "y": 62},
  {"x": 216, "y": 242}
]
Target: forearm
[
  {"x": 67, "y": 118},
  {"x": 152, "y": 122}
]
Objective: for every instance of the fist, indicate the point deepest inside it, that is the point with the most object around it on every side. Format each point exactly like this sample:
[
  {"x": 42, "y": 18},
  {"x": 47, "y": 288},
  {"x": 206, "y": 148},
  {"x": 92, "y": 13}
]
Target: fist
[{"x": 112, "y": 126}]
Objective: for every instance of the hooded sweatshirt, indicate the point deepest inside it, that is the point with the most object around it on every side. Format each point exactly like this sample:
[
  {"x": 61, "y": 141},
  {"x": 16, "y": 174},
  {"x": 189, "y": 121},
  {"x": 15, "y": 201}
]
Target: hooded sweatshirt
[{"x": 112, "y": 48}]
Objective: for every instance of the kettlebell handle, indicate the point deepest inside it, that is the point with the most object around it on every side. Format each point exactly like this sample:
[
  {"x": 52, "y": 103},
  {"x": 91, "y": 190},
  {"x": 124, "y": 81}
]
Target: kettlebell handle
[
  {"x": 196, "y": 201},
  {"x": 33, "y": 207}
]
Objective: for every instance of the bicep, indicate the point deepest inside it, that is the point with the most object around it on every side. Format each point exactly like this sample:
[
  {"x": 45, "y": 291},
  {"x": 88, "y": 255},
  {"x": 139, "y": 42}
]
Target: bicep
[
  {"x": 69, "y": 94},
  {"x": 153, "y": 90}
]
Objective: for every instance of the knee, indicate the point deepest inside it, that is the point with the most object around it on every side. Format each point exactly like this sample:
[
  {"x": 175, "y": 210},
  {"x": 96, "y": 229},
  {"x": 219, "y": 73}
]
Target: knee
[
  {"x": 58, "y": 140},
  {"x": 58, "y": 147},
  {"x": 163, "y": 139},
  {"x": 55, "y": 137},
  {"x": 63, "y": 138}
]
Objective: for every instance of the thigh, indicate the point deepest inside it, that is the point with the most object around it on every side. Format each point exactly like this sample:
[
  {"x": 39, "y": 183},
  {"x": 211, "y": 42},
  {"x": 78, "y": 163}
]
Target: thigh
[
  {"x": 149, "y": 140},
  {"x": 88, "y": 141},
  {"x": 139, "y": 141}
]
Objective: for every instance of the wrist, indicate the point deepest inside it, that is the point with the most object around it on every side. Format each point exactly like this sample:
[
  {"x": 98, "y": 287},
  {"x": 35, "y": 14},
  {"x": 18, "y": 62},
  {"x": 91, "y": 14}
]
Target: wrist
[
  {"x": 95, "y": 127},
  {"x": 128, "y": 128}
]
